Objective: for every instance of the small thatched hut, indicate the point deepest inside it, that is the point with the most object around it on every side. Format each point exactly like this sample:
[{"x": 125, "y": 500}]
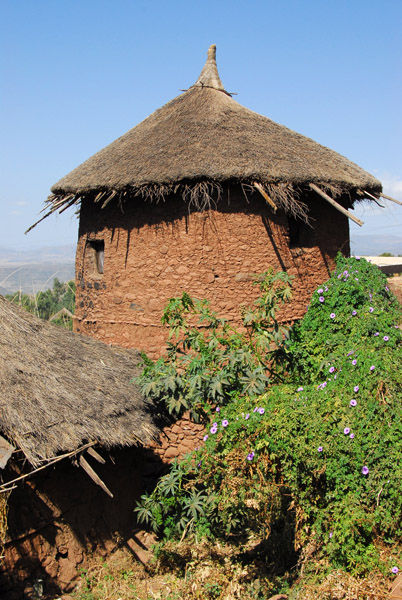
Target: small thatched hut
[
  {"x": 65, "y": 402},
  {"x": 201, "y": 196},
  {"x": 61, "y": 391}
]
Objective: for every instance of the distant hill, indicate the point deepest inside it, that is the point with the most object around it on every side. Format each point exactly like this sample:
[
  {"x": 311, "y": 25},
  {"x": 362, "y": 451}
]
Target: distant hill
[
  {"x": 34, "y": 270},
  {"x": 374, "y": 245}
]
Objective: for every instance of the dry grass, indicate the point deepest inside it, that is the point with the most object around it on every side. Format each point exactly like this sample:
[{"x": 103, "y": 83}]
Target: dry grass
[
  {"x": 206, "y": 571},
  {"x": 338, "y": 585}
]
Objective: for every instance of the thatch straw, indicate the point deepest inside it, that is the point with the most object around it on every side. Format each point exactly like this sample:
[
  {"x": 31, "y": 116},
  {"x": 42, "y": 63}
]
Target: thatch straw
[
  {"x": 60, "y": 390},
  {"x": 205, "y": 138}
]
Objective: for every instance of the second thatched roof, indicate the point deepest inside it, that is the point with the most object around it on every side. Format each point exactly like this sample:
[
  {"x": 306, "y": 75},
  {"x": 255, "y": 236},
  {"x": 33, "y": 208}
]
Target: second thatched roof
[
  {"x": 202, "y": 139},
  {"x": 60, "y": 390}
]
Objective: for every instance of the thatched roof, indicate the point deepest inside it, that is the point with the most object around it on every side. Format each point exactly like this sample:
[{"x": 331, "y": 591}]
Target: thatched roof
[
  {"x": 202, "y": 139},
  {"x": 60, "y": 390}
]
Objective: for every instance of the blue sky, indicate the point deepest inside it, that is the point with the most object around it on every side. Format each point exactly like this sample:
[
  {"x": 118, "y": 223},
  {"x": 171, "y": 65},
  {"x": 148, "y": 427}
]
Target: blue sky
[{"x": 75, "y": 75}]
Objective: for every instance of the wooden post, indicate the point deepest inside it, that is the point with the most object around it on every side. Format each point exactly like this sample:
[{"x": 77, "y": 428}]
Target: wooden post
[
  {"x": 392, "y": 199},
  {"x": 264, "y": 194},
  {"x": 336, "y": 204}
]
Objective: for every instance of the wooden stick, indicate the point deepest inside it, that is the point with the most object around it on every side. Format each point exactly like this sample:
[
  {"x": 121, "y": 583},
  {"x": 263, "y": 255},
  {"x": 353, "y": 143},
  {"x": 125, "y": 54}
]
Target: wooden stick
[
  {"x": 264, "y": 194},
  {"x": 95, "y": 478},
  {"x": 392, "y": 199},
  {"x": 3, "y": 487},
  {"x": 92, "y": 452},
  {"x": 376, "y": 200},
  {"x": 336, "y": 204}
]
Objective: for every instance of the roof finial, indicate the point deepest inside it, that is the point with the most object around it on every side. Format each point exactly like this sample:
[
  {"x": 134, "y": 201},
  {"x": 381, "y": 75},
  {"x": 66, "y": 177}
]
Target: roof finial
[{"x": 209, "y": 76}]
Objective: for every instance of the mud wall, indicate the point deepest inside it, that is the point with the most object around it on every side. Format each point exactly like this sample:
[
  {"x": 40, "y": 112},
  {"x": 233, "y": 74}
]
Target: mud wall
[
  {"x": 59, "y": 517},
  {"x": 153, "y": 252}
]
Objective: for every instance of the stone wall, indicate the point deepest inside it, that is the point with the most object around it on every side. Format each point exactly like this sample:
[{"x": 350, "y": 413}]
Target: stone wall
[
  {"x": 179, "y": 439},
  {"x": 153, "y": 252}
]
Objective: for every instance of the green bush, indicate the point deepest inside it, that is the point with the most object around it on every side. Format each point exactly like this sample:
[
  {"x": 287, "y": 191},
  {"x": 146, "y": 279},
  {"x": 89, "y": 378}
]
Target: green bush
[
  {"x": 209, "y": 361},
  {"x": 313, "y": 464},
  {"x": 46, "y": 304}
]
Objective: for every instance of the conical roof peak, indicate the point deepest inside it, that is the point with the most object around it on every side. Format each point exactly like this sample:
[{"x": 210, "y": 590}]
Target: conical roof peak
[{"x": 209, "y": 76}]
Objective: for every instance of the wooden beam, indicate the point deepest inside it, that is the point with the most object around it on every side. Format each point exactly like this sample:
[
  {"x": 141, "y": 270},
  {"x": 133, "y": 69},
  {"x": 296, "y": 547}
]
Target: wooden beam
[
  {"x": 392, "y": 199},
  {"x": 335, "y": 204},
  {"x": 92, "y": 452},
  {"x": 4, "y": 487},
  {"x": 376, "y": 200},
  {"x": 95, "y": 478},
  {"x": 264, "y": 194}
]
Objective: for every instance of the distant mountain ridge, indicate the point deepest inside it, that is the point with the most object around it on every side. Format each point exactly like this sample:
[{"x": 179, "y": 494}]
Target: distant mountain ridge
[
  {"x": 33, "y": 270},
  {"x": 374, "y": 245},
  {"x": 49, "y": 254}
]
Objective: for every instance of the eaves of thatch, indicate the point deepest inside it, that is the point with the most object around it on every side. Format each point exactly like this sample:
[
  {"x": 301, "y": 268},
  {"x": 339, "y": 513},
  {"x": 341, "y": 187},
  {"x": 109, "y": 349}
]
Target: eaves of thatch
[
  {"x": 203, "y": 139},
  {"x": 60, "y": 391}
]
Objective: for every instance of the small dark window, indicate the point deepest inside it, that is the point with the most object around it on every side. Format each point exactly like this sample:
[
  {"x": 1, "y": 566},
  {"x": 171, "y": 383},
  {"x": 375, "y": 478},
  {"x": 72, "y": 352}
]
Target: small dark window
[
  {"x": 301, "y": 235},
  {"x": 98, "y": 247}
]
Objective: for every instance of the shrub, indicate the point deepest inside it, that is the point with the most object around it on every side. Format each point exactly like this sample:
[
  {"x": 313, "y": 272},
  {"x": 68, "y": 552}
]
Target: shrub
[
  {"x": 210, "y": 362},
  {"x": 314, "y": 463}
]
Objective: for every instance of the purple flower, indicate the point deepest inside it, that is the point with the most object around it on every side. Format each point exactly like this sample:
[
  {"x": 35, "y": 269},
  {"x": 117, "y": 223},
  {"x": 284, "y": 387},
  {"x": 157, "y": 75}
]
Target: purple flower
[
  {"x": 300, "y": 389},
  {"x": 213, "y": 429},
  {"x": 340, "y": 275},
  {"x": 247, "y": 416},
  {"x": 353, "y": 403},
  {"x": 320, "y": 291},
  {"x": 352, "y": 436},
  {"x": 376, "y": 334},
  {"x": 320, "y": 449},
  {"x": 332, "y": 315},
  {"x": 387, "y": 288},
  {"x": 354, "y": 313},
  {"x": 351, "y": 352},
  {"x": 345, "y": 273},
  {"x": 256, "y": 408},
  {"x": 199, "y": 464},
  {"x": 326, "y": 289},
  {"x": 346, "y": 431},
  {"x": 331, "y": 369},
  {"x": 372, "y": 368},
  {"x": 357, "y": 257},
  {"x": 365, "y": 470},
  {"x": 356, "y": 388},
  {"x": 354, "y": 362},
  {"x": 371, "y": 309},
  {"x": 321, "y": 298},
  {"x": 331, "y": 533},
  {"x": 395, "y": 570},
  {"x": 261, "y": 411},
  {"x": 385, "y": 338},
  {"x": 205, "y": 437},
  {"x": 217, "y": 409},
  {"x": 225, "y": 423},
  {"x": 250, "y": 456}
]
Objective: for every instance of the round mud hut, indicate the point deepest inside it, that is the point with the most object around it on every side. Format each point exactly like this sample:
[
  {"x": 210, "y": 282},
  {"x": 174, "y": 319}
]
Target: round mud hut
[{"x": 200, "y": 197}]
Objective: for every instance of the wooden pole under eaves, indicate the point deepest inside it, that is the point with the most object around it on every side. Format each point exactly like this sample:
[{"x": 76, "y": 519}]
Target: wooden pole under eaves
[
  {"x": 392, "y": 199},
  {"x": 335, "y": 204},
  {"x": 94, "y": 476},
  {"x": 264, "y": 194}
]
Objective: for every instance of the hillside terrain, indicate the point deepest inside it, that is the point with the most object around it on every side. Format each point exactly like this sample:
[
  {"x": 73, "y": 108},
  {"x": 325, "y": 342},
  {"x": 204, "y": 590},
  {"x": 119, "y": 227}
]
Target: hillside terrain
[{"x": 34, "y": 270}]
